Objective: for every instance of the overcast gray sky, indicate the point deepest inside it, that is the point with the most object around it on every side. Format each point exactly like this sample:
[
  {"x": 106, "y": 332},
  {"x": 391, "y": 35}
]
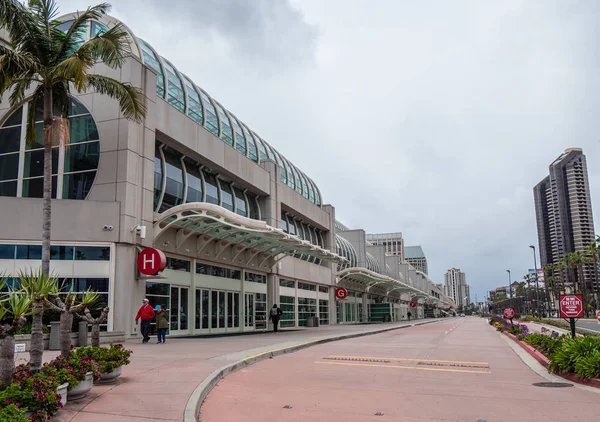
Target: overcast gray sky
[{"x": 434, "y": 118}]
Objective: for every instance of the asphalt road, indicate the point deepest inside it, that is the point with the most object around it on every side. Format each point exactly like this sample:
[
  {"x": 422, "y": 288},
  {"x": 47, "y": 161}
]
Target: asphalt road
[
  {"x": 459, "y": 369},
  {"x": 588, "y": 324}
]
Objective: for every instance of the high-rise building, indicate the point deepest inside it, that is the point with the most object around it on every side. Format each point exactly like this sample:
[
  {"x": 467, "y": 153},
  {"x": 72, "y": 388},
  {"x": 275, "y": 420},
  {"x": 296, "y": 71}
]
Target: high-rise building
[
  {"x": 456, "y": 286},
  {"x": 415, "y": 256},
  {"x": 563, "y": 210},
  {"x": 393, "y": 242}
]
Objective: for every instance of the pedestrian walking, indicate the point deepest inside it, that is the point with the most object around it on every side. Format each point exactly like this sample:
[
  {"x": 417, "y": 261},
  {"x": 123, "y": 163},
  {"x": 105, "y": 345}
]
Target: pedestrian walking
[
  {"x": 146, "y": 314},
  {"x": 408, "y": 314},
  {"x": 162, "y": 323},
  {"x": 275, "y": 314}
]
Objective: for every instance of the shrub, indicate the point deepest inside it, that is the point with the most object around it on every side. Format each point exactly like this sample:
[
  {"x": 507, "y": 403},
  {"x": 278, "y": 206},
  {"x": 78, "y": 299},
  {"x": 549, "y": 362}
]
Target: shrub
[
  {"x": 108, "y": 358},
  {"x": 547, "y": 345},
  {"x": 13, "y": 413},
  {"x": 34, "y": 392},
  {"x": 589, "y": 366},
  {"x": 566, "y": 357},
  {"x": 74, "y": 368},
  {"x": 514, "y": 330}
]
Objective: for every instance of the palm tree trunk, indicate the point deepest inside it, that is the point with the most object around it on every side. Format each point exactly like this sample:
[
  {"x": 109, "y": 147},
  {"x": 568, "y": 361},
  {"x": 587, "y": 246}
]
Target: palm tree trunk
[
  {"x": 66, "y": 322},
  {"x": 47, "y": 197},
  {"x": 7, "y": 356},
  {"x": 96, "y": 334},
  {"x": 36, "y": 349}
]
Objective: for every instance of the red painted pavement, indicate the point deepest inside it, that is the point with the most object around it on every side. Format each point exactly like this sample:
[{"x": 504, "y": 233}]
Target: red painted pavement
[{"x": 336, "y": 390}]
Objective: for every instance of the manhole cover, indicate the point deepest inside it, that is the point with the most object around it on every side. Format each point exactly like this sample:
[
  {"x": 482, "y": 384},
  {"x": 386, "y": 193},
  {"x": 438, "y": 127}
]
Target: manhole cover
[
  {"x": 553, "y": 384},
  {"x": 358, "y": 359}
]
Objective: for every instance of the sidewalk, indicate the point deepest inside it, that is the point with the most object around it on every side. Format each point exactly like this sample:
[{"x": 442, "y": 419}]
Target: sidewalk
[{"x": 161, "y": 377}]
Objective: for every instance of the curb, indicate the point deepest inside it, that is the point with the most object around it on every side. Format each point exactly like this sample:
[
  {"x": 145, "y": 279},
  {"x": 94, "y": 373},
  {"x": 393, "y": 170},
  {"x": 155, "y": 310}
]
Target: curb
[{"x": 192, "y": 407}]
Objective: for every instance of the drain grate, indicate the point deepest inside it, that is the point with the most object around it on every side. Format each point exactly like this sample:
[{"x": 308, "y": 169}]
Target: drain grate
[
  {"x": 359, "y": 360},
  {"x": 553, "y": 384},
  {"x": 453, "y": 365}
]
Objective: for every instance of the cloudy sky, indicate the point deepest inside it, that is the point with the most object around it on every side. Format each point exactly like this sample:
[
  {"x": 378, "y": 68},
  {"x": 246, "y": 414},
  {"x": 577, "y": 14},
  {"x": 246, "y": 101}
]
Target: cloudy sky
[{"x": 434, "y": 118}]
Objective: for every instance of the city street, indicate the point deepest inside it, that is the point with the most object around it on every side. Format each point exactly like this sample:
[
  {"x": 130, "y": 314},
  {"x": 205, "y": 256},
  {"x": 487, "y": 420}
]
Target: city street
[{"x": 455, "y": 370}]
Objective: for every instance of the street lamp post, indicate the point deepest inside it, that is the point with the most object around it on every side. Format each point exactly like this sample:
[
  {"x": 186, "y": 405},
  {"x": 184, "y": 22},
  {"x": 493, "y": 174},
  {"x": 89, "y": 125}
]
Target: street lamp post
[
  {"x": 537, "y": 284},
  {"x": 509, "y": 284}
]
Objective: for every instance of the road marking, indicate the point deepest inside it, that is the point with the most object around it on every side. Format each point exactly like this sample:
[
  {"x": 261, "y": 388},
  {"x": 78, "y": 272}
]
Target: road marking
[
  {"x": 410, "y": 359},
  {"x": 405, "y": 367}
]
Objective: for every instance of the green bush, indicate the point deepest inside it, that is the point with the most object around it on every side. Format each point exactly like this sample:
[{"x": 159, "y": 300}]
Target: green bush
[
  {"x": 565, "y": 359},
  {"x": 589, "y": 366},
  {"x": 544, "y": 343},
  {"x": 108, "y": 358},
  {"x": 514, "y": 330},
  {"x": 13, "y": 413}
]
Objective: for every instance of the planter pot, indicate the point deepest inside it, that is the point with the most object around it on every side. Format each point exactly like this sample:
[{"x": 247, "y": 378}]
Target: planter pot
[
  {"x": 110, "y": 377},
  {"x": 62, "y": 390},
  {"x": 82, "y": 388}
]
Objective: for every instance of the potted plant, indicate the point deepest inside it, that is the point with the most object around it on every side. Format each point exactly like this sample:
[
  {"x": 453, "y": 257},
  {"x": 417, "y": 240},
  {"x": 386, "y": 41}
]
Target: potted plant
[
  {"x": 110, "y": 359},
  {"x": 62, "y": 377},
  {"x": 35, "y": 393},
  {"x": 80, "y": 372},
  {"x": 13, "y": 413}
]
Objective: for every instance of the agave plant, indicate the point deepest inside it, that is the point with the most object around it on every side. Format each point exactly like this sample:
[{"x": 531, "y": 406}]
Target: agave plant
[
  {"x": 68, "y": 305},
  {"x": 14, "y": 308},
  {"x": 38, "y": 286}
]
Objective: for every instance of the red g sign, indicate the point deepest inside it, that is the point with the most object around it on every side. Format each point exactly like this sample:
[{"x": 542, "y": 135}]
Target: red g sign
[
  {"x": 341, "y": 293},
  {"x": 150, "y": 261}
]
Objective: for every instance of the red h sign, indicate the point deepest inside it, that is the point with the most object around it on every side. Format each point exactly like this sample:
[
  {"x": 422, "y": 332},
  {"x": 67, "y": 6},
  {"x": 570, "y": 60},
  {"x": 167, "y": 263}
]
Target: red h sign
[
  {"x": 150, "y": 261},
  {"x": 571, "y": 306}
]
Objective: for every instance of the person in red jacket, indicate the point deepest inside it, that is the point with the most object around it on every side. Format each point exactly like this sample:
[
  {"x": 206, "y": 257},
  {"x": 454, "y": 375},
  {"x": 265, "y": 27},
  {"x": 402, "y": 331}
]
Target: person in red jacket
[{"x": 146, "y": 314}]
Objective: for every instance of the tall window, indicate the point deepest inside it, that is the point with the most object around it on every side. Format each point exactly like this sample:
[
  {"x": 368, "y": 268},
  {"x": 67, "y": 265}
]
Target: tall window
[
  {"x": 173, "y": 194},
  {"x": 211, "y": 122},
  {"x": 194, "y": 182},
  {"x": 151, "y": 60},
  {"x": 194, "y": 104},
  {"x": 176, "y": 95},
  {"x": 212, "y": 191},
  {"x": 226, "y": 195},
  {"x": 240, "y": 202}
]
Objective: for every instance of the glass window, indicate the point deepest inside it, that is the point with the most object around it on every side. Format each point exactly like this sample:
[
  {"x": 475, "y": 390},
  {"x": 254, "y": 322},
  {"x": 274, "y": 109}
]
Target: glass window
[
  {"x": 81, "y": 157},
  {"x": 194, "y": 103},
  {"x": 240, "y": 202},
  {"x": 176, "y": 95},
  {"x": 34, "y": 163},
  {"x": 157, "y": 289},
  {"x": 9, "y": 166},
  {"x": 151, "y": 61},
  {"x": 82, "y": 129},
  {"x": 97, "y": 29},
  {"x": 307, "y": 307},
  {"x": 158, "y": 176},
  {"x": 226, "y": 132},
  {"x": 61, "y": 253},
  {"x": 78, "y": 185},
  {"x": 7, "y": 251},
  {"x": 252, "y": 207},
  {"x": 92, "y": 253},
  {"x": 311, "y": 192},
  {"x": 14, "y": 119},
  {"x": 256, "y": 278},
  {"x": 323, "y": 312},
  {"x": 34, "y": 188},
  {"x": 306, "y": 286},
  {"x": 290, "y": 177},
  {"x": 304, "y": 186},
  {"x": 178, "y": 264},
  {"x": 211, "y": 122},
  {"x": 194, "y": 183},
  {"x": 29, "y": 251},
  {"x": 323, "y": 289},
  {"x": 262, "y": 151},
  {"x": 227, "y": 196},
  {"x": 288, "y": 307},
  {"x": 297, "y": 182},
  {"x": 173, "y": 195},
  {"x": 240, "y": 139},
  {"x": 252, "y": 151},
  {"x": 10, "y": 138},
  {"x": 292, "y": 225},
  {"x": 282, "y": 169},
  {"x": 212, "y": 192},
  {"x": 287, "y": 283}
]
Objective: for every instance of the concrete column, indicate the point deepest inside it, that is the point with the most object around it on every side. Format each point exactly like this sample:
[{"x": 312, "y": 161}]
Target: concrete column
[
  {"x": 332, "y": 306},
  {"x": 365, "y": 310},
  {"x": 272, "y": 293},
  {"x": 127, "y": 292}
]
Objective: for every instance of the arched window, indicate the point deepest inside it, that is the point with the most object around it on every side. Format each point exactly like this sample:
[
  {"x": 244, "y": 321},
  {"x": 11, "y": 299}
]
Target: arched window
[
  {"x": 210, "y": 122},
  {"x": 151, "y": 60},
  {"x": 194, "y": 103},
  {"x": 240, "y": 139},
  {"x": 226, "y": 131},
  {"x": 175, "y": 95},
  {"x": 252, "y": 151},
  {"x": 158, "y": 176}
]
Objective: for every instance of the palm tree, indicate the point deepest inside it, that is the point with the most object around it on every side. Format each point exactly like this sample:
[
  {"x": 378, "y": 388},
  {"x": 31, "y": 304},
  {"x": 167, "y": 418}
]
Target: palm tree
[
  {"x": 38, "y": 287},
  {"x": 14, "y": 308},
  {"x": 594, "y": 252},
  {"x": 578, "y": 259},
  {"x": 68, "y": 306},
  {"x": 43, "y": 59}
]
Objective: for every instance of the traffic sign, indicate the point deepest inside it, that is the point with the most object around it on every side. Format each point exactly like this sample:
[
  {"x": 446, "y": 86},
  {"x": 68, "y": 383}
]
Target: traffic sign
[
  {"x": 571, "y": 306},
  {"x": 150, "y": 261},
  {"x": 413, "y": 305},
  {"x": 509, "y": 313},
  {"x": 598, "y": 316},
  {"x": 341, "y": 293}
]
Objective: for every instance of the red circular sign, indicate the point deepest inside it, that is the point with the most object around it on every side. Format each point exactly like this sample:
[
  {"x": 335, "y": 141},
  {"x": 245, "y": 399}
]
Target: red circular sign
[
  {"x": 571, "y": 306},
  {"x": 341, "y": 293},
  {"x": 509, "y": 313},
  {"x": 150, "y": 261},
  {"x": 413, "y": 305}
]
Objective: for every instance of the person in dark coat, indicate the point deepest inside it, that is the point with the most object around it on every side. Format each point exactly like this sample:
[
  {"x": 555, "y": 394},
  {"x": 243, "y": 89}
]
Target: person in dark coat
[
  {"x": 275, "y": 315},
  {"x": 162, "y": 323}
]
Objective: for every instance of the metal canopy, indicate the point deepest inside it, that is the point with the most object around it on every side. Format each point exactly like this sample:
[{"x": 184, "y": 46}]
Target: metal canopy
[
  {"x": 359, "y": 278},
  {"x": 245, "y": 237}
]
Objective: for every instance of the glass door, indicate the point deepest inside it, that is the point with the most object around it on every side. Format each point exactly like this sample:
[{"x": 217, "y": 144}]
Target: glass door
[
  {"x": 202, "y": 300},
  {"x": 248, "y": 310},
  {"x": 179, "y": 309}
]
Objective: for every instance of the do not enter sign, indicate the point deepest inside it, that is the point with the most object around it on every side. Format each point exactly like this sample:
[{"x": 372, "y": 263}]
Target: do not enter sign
[
  {"x": 150, "y": 261},
  {"x": 509, "y": 313},
  {"x": 571, "y": 306},
  {"x": 341, "y": 293},
  {"x": 413, "y": 305}
]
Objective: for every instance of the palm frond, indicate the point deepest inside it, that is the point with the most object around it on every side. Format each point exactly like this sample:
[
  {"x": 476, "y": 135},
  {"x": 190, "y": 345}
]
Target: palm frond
[
  {"x": 112, "y": 47},
  {"x": 74, "y": 69},
  {"x": 72, "y": 37},
  {"x": 131, "y": 99},
  {"x": 26, "y": 34},
  {"x": 38, "y": 285},
  {"x": 19, "y": 88},
  {"x": 30, "y": 132},
  {"x": 14, "y": 66},
  {"x": 45, "y": 9}
]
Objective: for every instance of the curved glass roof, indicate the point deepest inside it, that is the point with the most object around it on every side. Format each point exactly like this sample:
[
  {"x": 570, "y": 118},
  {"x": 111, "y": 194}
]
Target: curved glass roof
[
  {"x": 372, "y": 263},
  {"x": 179, "y": 91},
  {"x": 344, "y": 248}
]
